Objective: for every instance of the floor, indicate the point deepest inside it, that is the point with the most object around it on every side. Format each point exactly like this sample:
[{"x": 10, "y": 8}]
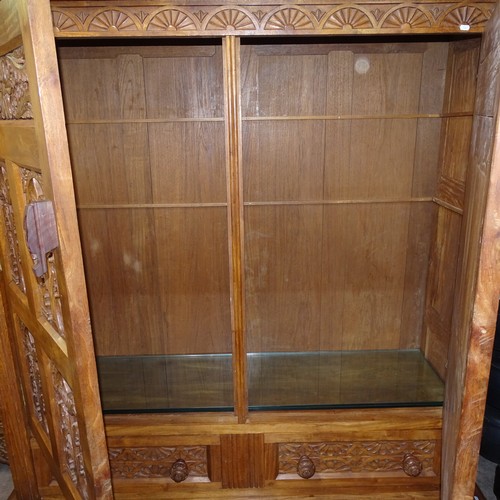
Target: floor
[
  {"x": 6, "y": 486},
  {"x": 485, "y": 477},
  {"x": 486, "y": 474}
]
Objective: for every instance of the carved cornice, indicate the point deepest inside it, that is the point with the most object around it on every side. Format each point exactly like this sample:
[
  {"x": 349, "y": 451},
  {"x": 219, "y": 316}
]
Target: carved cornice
[{"x": 299, "y": 19}]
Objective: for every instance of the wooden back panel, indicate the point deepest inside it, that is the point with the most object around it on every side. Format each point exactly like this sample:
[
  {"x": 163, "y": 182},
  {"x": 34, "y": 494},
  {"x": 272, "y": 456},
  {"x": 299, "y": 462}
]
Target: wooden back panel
[
  {"x": 340, "y": 152},
  {"x": 152, "y": 211}
]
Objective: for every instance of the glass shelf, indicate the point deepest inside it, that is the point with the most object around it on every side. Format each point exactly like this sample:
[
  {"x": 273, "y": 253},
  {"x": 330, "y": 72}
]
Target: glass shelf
[{"x": 277, "y": 381}]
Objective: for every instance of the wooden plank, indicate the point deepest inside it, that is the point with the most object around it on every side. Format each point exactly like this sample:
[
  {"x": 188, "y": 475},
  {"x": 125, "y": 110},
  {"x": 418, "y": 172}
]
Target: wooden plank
[
  {"x": 386, "y": 83},
  {"x": 282, "y": 85},
  {"x": 441, "y": 286},
  {"x": 193, "y": 174},
  {"x": 277, "y": 166},
  {"x": 462, "y": 71},
  {"x": 418, "y": 246},
  {"x": 363, "y": 275},
  {"x": 455, "y": 144},
  {"x": 243, "y": 462},
  {"x": 356, "y": 165},
  {"x": 283, "y": 277},
  {"x": 235, "y": 223},
  {"x": 337, "y": 422},
  {"x": 194, "y": 280},
  {"x": 451, "y": 191},
  {"x": 185, "y": 86},
  {"x": 18, "y": 142}
]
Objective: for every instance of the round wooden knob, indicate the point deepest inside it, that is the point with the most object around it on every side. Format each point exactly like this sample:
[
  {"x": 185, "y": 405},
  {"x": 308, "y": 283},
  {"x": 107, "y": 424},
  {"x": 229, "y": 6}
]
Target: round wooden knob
[
  {"x": 305, "y": 467},
  {"x": 412, "y": 466},
  {"x": 179, "y": 471}
]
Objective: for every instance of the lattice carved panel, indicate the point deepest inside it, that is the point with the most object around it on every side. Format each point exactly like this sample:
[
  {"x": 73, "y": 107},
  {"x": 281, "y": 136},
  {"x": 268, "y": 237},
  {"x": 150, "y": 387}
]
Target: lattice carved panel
[
  {"x": 15, "y": 103},
  {"x": 11, "y": 235},
  {"x": 71, "y": 455},
  {"x": 289, "y": 18},
  {"x": 356, "y": 457},
  {"x": 48, "y": 284},
  {"x": 34, "y": 375},
  {"x": 156, "y": 462}
]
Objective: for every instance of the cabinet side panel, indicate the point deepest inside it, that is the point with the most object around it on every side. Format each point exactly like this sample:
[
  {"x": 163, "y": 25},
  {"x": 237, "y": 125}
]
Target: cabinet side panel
[{"x": 463, "y": 58}]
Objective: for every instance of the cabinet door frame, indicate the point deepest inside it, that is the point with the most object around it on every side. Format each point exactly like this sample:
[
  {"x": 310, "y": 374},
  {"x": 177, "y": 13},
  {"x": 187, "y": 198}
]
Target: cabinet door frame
[{"x": 47, "y": 317}]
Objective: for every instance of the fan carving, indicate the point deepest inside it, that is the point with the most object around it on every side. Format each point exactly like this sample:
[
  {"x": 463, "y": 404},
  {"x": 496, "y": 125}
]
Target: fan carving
[
  {"x": 112, "y": 20},
  {"x": 171, "y": 20},
  {"x": 466, "y": 15},
  {"x": 289, "y": 19},
  {"x": 406, "y": 17},
  {"x": 348, "y": 18},
  {"x": 62, "y": 22},
  {"x": 230, "y": 19}
]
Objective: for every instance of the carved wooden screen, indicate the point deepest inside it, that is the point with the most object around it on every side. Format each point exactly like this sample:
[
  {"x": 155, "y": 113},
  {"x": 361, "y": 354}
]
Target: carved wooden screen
[{"x": 48, "y": 311}]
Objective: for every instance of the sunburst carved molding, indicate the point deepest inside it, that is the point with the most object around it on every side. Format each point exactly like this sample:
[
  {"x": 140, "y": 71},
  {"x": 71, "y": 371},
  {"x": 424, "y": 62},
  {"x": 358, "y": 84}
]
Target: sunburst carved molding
[{"x": 287, "y": 18}]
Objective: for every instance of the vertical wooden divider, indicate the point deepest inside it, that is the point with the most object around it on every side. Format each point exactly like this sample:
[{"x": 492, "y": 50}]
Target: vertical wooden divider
[{"x": 232, "y": 118}]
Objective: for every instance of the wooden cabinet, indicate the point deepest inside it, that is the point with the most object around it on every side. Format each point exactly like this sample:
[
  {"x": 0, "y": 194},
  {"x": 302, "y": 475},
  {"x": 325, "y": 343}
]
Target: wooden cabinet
[{"x": 280, "y": 222}]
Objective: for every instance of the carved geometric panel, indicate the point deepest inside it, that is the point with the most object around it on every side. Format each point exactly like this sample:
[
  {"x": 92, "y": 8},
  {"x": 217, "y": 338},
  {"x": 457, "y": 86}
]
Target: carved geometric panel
[
  {"x": 48, "y": 284},
  {"x": 356, "y": 457},
  {"x": 11, "y": 235},
  {"x": 71, "y": 455},
  {"x": 15, "y": 101},
  {"x": 35, "y": 379},
  {"x": 156, "y": 462}
]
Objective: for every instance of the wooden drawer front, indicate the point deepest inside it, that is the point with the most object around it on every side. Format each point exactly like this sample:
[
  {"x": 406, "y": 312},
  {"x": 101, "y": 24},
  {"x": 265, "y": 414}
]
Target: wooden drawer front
[
  {"x": 158, "y": 462},
  {"x": 335, "y": 459}
]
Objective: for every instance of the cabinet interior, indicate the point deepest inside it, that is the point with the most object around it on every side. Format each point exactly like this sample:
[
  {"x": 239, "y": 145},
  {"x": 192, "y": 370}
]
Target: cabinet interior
[{"x": 316, "y": 222}]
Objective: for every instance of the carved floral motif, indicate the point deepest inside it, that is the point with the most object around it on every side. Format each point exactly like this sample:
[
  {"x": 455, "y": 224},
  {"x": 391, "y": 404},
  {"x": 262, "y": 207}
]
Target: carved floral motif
[
  {"x": 265, "y": 19},
  {"x": 48, "y": 284},
  {"x": 71, "y": 453},
  {"x": 14, "y": 256},
  {"x": 151, "y": 462},
  {"x": 372, "y": 456},
  {"x": 35, "y": 378},
  {"x": 15, "y": 101}
]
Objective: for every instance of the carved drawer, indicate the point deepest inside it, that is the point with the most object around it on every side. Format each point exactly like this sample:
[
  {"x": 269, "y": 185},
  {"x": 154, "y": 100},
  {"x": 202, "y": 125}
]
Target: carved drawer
[
  {"x": 410, "y": 459},
  {"x": 173, "y": 463}
]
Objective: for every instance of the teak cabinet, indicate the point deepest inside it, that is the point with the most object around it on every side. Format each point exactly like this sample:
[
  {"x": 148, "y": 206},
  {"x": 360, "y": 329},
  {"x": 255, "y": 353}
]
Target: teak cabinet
[{"x": 248, "y": 250}]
